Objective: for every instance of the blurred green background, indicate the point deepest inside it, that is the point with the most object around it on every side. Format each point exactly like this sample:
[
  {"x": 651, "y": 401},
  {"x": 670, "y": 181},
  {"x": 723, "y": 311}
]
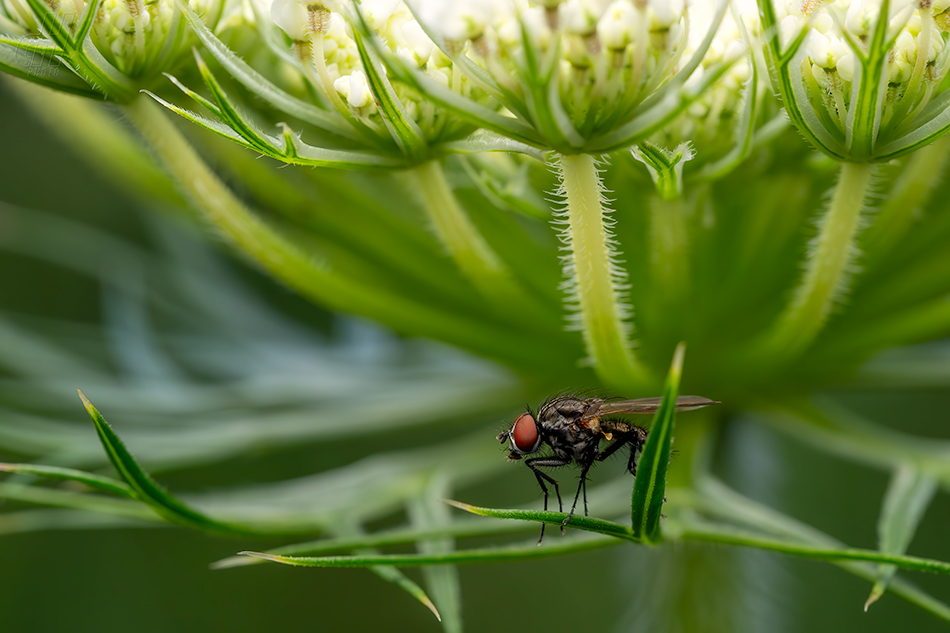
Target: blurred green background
[{"x": 158, "y": 579}]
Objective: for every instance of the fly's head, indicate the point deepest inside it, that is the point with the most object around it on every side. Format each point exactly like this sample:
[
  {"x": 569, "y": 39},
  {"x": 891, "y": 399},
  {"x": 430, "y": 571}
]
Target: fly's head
[{"x": 524, "y": 436}]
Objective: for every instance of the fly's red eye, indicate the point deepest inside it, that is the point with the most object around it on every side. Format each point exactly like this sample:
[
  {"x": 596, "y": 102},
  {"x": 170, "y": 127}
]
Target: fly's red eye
[{"x": 524, "y": 433}]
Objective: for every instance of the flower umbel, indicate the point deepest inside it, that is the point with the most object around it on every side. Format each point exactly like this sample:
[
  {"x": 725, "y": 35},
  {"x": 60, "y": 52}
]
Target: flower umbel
[
  {"x": 861, "y": 79},
  {"x": 115, "y": 46}
]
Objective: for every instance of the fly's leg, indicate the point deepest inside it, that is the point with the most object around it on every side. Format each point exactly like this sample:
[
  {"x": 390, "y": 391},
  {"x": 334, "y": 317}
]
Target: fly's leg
[
  {"x": 553, "y": 462},
  {"x": 583, "y": 485}
]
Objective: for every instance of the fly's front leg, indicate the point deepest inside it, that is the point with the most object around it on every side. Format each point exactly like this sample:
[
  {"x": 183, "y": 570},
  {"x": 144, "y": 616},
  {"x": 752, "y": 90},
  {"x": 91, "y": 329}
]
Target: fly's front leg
[{"x": 552, "y": 462}]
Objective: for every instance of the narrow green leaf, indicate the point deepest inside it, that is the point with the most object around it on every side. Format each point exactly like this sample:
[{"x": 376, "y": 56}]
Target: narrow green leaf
[
  {"x": 907, "y": 498},
  {"x": 729, "y": 535},
  {"x": 388, "y": 572},
  {"x": 402, "y": 128},
  {"x": 43, "y": 519},
  {"x": 51, "y": 24},
  {"x": 147, "y": 489},
  {"x": 745, "y": 129},
  {"x": 263, "y": 143},
  {"x": 44, "y": 496},
  {"x": 89, "y": 16},
  {"x": 457, "y": 529},
  {"x": 484, "y": 141},
  {"x": 106, "y": 484},
  {"x": 39, "y": 45},
  {"x": 207, "y": 105},
  {"x": 588, "y": 524},
  {"x": 42, "y": 70},
  {"x": 401, "y": 580},
  {"x": 209, "y": 124},
  {"x": 428, "y": 512},
  {"x": 718, "y": 500},
  {"x": 486, "y": 555},
  {"x": 650, "y": 485}
]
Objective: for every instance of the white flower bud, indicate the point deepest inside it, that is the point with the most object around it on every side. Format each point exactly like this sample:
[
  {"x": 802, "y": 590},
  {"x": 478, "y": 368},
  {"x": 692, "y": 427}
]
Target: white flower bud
[
  {"x": 291, "y": 17},
  {"x": 378, "y": 12},
  {"x": 845, "y": 67},
  {"x": 355, "y": 88},
  {"x": 458, "y": 20},
  {"x": 789, "y": 28},
  {"x": 620, "y": 24},
  {"x": 535, "y": 22},
  {"x": 417, "y": 42},
  {"x": 579, "y": 17},
  {"x": 665, "y": 13}
]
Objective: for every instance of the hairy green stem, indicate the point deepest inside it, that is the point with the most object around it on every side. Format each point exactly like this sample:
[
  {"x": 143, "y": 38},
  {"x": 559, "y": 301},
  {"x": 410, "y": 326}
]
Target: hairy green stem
[
  {"x": 594, "y": 275},
  {"x": 827, "y": 266},
  {"x": 289, "y": 263}
]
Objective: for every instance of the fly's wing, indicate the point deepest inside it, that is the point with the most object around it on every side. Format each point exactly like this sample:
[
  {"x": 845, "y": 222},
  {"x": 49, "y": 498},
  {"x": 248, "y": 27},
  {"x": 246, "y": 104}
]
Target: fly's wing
[{"x": 645, "y": 406}]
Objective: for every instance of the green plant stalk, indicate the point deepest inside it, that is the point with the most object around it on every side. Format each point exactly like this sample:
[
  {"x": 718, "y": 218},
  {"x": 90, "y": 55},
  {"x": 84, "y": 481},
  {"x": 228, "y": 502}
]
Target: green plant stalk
[
  {"x": 90, "y": 130},
  {"x": 827, "y": 266},
  {"x": 458, "y": 234},
  {"x": 295, "y": 268},
  {"x": 591, "y": 269},
  {"x": 669, "y": 252}
]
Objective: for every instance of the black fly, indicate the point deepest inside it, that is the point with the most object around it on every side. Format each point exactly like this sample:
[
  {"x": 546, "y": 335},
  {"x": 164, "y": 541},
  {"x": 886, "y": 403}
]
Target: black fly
[{"x": 573, "y": 427}]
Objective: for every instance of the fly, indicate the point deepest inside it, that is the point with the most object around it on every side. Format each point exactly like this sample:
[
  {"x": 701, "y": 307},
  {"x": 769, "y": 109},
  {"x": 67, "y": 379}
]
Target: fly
[{"x": 573, "y": 427}]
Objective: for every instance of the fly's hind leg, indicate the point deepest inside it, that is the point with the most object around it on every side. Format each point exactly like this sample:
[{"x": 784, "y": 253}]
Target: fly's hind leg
[
  {"x": 552, "y": 462},
  {"x": 581, "y": 486}
]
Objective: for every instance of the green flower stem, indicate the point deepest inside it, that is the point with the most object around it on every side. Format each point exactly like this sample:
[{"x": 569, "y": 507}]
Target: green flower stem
[
  {"x": 367, "y": 229},
  {"x": 669, "y": 254},
  {"x": 91, "y": 132},
  {"x": 827, "y": 264},
  {"x": 921, "y": 173},
  {"x": 593, "y": 272},
  {"x": 288, "y": 263},
  {"x": 460, "y": 237}
]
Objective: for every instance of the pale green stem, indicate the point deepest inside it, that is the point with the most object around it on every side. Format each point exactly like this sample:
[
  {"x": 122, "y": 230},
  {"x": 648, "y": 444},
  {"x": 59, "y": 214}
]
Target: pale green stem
[
  {"x": 922, "y": 172},
  {"x": 91, "y": 132},
  {"x": 668, "y": 248},
  {"x": 460, "y": 236},
  {"x": 287, "y": 262},
  {"x": 827, "y": 265},
  {"x": 594, "y": 274}
]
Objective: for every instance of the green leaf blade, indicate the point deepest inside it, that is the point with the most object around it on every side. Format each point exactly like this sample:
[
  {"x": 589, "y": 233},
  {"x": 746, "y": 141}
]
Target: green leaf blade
[
  {"x": 650, "y": 485},
  {"x": 907, "y": 498},
  {"x": 149, "y": 491},
  {"x": 106, "y": 484}
]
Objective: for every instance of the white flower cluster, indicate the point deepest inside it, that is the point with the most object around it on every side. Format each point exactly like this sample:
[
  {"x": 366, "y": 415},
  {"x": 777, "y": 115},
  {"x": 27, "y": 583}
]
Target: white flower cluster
[
  {"x": 914, "y": 63},
  {"x": 709, "y": 121},
  {"x": 130, "y": 34},
  {"x": 609, "y": 55},
  {"x": 321, "y": 29}
]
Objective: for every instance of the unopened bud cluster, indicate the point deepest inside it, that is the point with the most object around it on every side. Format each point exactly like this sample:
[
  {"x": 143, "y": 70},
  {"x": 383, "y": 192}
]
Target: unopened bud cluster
[
  {"x": 709, "y": 121},
  {"x": 134, "y": 36},
  {"x": 915, "y": 63},
  {"x": 324, "y": 32},
  {"x": 606, "y": 56}
]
